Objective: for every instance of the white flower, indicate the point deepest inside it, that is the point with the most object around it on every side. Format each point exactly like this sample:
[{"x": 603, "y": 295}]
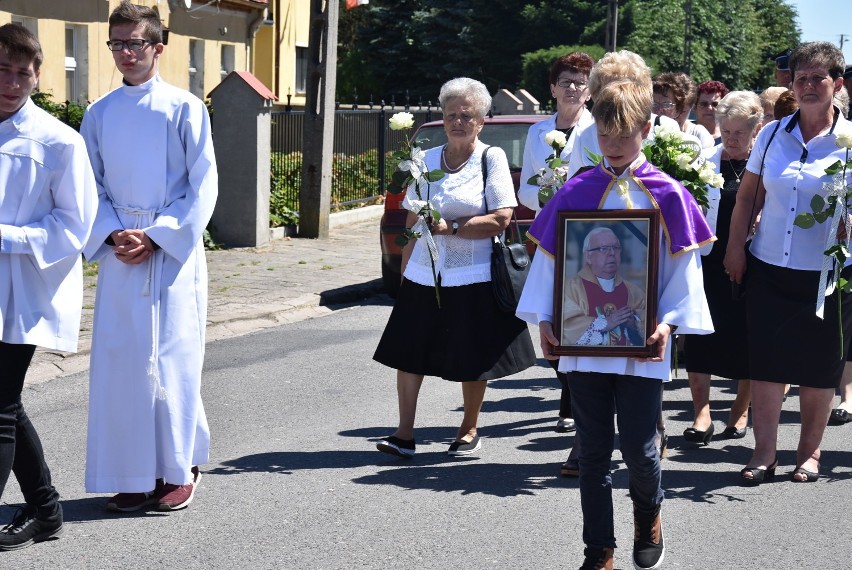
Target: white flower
[
  {"x": 684, "y": 161},
  {"x": 667, "y": 134},
  {"x": 400, "y": 121},
  {"x": 718, "y": 180},
  {"x": 416, "y": 165},
  {"x": 707, "y": 175},
  {"x": 844, "y": 139},
  {"x": 557, "y": 137}
]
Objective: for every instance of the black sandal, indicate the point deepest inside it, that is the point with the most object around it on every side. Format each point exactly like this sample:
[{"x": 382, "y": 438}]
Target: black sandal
[
  {"x": 810, "y": 476},
  {"x": 758, "y": 475}
]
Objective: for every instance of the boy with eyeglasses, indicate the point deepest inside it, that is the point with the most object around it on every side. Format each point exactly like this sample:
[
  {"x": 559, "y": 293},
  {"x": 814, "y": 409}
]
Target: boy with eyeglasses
[
  {"x": 152, "y": 153},
  {"x": 623, "y": 180},
  {"x": 47, "y": 205}
]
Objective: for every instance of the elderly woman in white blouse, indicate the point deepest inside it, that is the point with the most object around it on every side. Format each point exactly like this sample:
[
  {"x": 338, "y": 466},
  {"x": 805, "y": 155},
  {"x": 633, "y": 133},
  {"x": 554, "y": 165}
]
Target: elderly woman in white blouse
[
  {"x": 466, "y": 339},
  {"x": 788, "y": 342}
]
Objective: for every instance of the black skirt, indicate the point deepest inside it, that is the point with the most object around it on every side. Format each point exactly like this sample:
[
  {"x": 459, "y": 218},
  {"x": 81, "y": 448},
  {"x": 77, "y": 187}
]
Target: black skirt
[
  {"x": 788, "y": 344},
  {"x": 467, "y": 339},
  {"x": 725, "y": 352}
]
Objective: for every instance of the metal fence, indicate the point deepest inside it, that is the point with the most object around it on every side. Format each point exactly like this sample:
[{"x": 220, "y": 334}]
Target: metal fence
[{"x": 362, "y": 146}]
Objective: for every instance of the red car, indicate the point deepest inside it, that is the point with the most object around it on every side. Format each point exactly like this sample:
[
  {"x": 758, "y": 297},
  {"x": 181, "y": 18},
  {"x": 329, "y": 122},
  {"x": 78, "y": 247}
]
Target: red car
[{"x": 509, "y": 132}]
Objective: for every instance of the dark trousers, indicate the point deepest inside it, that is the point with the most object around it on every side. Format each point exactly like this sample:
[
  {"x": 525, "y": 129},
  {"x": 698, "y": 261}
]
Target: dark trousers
[
  {"x": 565, "y": 399},
  {"x": 20, "y": 447},
  {"x": 595, "y": 398}
]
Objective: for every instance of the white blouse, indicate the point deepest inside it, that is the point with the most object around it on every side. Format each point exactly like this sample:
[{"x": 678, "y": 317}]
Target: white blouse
[
  {"x": 680, "y": 288},
  {"x": 793, "y": 173},
  {"x": 460, "y": 260}
]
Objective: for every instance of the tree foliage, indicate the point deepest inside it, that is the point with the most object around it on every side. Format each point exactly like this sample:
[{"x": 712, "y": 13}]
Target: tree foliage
[{"x": 393, "y": 49}]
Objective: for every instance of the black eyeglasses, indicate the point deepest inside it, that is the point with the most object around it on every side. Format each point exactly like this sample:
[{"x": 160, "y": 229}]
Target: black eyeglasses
[
  {"x": 573, "y": 84},
  {"x": 132, "y": 45},
  {"x": 606, "y": 249}
]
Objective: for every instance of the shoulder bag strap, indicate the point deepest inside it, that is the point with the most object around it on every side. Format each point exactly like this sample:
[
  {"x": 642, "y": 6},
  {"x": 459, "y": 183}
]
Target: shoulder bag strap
[
  {"x": 759, "y": 178},
  {"x": 485, "y": 197}
]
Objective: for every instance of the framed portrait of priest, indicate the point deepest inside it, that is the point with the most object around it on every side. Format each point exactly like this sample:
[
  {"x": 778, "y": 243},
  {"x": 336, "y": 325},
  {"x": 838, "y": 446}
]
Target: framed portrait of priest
[{"x": 605, "y": 294}]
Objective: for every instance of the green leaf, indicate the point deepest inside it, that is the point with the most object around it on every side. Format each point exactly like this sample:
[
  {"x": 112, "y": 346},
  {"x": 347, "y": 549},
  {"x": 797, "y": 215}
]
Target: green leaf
[
  {"x": 817, "y": 203},
  {"x": 594, "y": 158},
  {"x": 555, "y": 162},
  {"x": 402, "y": 240},
  {"x": 398, "y": 182},
  {"x": 834, "y": 168},
  {"x": 804, "y": 221},
  {"x": 821, "y": 217},
  {"x": 844, "y": 285},
  {"x": 436, "y": 215},
  {"x": 533, "y": 180},
  {"x": 435, "y": 175}
]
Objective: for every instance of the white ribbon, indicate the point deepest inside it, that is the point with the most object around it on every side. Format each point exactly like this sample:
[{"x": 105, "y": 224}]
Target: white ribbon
[
  {"x": 422, "y": 227},
  {"x": 837, "y": 187}
]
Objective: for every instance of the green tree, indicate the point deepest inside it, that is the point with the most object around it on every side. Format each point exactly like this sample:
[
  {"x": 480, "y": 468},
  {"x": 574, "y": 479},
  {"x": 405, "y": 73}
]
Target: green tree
[
  {"x": 394, "y": 46},
  {"x": 730, "y": 40}
]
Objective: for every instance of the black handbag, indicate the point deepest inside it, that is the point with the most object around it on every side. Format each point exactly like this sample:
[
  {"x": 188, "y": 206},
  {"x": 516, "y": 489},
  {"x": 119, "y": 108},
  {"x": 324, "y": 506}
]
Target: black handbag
[{"x": 510, "y": 263}]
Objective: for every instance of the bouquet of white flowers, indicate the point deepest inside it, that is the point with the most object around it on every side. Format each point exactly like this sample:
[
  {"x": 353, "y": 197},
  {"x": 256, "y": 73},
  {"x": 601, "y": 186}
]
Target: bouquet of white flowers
[
  {"x": 551, "y": 178},
  {"x": 681, "y": 159}
]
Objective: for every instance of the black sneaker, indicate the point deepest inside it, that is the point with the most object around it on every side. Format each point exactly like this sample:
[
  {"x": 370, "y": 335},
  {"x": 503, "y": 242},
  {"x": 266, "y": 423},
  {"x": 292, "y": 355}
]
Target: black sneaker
[
  {"x": 28, "y": 527},
  {"x": 462, "y": 447},
  {"x": 597, "y": 559},
  {"x": 648, "y": 546},
  {"x": 396, "y": 446}
]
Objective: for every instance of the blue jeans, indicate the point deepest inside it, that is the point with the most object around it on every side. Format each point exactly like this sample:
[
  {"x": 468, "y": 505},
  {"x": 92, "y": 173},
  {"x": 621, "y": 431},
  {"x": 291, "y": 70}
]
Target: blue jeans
[
  {"x": 20, "y": 446},
  {"x": 594, "y": 398}
]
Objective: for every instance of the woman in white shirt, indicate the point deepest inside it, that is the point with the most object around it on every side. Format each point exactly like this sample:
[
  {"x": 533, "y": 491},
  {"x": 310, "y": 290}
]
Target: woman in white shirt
[
  {"x": 788, "y": 343},
  {"x": 466, "y": 338},
  {"x": 569, "y": 86},
  {"x": 569, "y": 80}
]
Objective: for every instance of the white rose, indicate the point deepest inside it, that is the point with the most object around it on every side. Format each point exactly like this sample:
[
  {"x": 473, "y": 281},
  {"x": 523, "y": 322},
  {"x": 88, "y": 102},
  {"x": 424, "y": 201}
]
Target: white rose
[
  {"x": 401, "y": 121},
  {"x": 706, "y": 175},
  {"x": 683, "y": 161},
  {"x": 844, "y": 139},
  {"x": 555, "y": 137}
]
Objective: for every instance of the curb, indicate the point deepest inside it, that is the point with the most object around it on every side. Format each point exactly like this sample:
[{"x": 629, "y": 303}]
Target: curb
[{"x": 53, "y": 365}]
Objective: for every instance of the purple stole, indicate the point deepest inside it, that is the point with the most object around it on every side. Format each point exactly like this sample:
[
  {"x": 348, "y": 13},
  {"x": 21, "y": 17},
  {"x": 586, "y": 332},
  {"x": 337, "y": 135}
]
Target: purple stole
[{"x": 684, "y": 225}]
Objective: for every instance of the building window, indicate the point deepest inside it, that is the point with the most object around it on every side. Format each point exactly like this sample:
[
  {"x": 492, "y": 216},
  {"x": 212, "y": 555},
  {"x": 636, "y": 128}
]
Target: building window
[
  {"x": 196, "y": 68},
  {"x": 301, "y": 69},
  {"x": 228, "y": 56},
  {"x": 76, "y": 76}
]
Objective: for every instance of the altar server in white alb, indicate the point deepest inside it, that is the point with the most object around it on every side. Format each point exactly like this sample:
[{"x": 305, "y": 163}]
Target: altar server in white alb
[
  {"x": 47, "y": 206},
  {"x": 152, "y": 154}
]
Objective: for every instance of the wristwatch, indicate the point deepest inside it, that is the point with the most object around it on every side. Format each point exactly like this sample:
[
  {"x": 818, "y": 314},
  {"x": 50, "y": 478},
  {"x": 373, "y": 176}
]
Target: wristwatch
[{"x": 455, "y": 226}]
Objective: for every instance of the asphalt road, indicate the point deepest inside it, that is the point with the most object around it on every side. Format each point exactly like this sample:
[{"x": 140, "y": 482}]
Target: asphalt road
[{"x": 295, "y": 481}]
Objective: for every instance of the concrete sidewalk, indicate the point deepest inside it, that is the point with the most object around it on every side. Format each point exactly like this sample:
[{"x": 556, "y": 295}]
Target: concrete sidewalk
[{"x": 290, "y": 279}]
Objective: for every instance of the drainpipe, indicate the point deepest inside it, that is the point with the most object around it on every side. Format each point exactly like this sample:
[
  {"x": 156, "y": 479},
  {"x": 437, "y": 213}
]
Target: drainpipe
[{"x": 254, "y": 26}]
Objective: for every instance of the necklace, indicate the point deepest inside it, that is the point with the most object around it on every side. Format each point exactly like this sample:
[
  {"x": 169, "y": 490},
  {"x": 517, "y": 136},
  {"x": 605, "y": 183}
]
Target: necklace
[
  {"x": 739, "y": 174},
  {"x": 445, "y": 166}
]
